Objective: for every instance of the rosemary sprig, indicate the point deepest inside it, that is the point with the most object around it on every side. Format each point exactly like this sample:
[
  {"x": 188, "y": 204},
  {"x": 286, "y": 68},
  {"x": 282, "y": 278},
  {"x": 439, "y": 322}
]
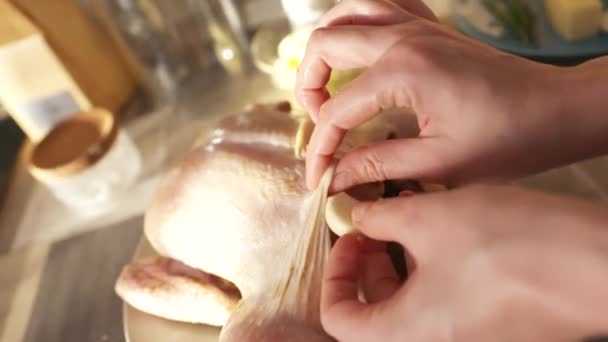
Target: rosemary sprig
[{"x": 516, "y": 16}]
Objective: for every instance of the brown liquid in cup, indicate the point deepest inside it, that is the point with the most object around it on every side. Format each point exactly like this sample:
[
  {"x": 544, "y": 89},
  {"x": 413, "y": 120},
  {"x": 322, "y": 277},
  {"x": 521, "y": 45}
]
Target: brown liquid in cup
[
  {"x": 68, "y": 143},
  {"x": 76, "y": 143}
]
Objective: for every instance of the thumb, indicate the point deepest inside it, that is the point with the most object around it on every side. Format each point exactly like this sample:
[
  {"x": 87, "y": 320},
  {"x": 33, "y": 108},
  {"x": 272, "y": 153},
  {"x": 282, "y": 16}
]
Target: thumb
[
  {"x": 416, "y": 158},
  {"x": 342, "y": 314}
]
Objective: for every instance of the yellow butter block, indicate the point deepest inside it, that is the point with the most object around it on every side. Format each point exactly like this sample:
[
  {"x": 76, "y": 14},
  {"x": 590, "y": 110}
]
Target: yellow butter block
[{"x": 575, "y": 19}]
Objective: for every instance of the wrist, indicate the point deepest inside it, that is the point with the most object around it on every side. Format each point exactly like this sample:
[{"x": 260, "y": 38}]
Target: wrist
[
  {"x": 564, "y": 116},
  {"x": 583, "y": 108}
]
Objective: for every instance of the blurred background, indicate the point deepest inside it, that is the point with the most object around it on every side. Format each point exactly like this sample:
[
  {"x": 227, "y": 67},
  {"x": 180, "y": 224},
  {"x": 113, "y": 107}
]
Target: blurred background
[{"x": 99, "y": 97}]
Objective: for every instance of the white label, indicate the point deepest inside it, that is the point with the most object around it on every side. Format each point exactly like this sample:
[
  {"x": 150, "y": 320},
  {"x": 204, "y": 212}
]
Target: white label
[{"x": 45, "y": 113}]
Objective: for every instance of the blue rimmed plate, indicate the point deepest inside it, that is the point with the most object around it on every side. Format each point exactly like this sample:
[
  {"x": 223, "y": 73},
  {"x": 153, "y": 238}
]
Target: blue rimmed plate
[{"x": 550, "y": 43}]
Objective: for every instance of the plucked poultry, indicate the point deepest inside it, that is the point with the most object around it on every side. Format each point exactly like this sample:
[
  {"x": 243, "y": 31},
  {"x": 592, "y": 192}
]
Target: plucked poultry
[{"x": 242, "y": 242}]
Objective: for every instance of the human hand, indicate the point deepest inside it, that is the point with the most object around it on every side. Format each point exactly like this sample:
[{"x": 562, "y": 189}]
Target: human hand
[
  {"x": 489, "y": 264},
  {"x": 482, "y": 113}
]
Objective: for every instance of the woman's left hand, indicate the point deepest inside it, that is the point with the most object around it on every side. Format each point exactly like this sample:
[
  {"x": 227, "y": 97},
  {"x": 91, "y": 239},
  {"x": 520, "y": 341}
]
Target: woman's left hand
[{"x": 490, "y": 263}]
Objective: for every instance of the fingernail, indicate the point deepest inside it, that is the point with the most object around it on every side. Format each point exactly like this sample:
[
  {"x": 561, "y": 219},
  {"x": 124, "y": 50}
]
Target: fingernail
[{"x": 309, "y": 177}]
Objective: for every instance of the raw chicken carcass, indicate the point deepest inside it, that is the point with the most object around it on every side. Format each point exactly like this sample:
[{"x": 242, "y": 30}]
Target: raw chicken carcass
[{"x": 234, "y": 213}]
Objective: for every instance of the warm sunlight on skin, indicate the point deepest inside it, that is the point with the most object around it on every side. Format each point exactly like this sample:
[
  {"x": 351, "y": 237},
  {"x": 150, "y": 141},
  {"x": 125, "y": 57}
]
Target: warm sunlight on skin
[
  {"x": 489, "y": 261},
  {"x": 487, "y": 267}
]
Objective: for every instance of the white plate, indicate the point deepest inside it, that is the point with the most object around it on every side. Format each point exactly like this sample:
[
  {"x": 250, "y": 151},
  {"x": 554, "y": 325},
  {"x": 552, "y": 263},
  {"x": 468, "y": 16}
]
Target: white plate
[{"x": 141, "y": 327}]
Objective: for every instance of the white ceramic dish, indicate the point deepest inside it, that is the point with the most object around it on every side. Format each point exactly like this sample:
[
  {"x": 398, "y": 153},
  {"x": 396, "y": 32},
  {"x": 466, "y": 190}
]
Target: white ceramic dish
[{"x": 141, "y": 327}]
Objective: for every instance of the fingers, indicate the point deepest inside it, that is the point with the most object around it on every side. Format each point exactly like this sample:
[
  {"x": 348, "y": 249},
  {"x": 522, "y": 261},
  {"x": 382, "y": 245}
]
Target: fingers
[
  {"x": 316, "y": 161},
  {"x": 375, "y": 12},
  {"x": 396, "y": 80},
  {"x": 363, "y": 98},
  {"x": 340, "y": 281},
  {"x": 340, "y": 308},
  {"x": 313, "y": 94},
  {"x": 407, "y": 220},
  {"x": 379, "y": 280},
  {"x": 393, "y": 159},
  {"x": 341, "y": 48}
]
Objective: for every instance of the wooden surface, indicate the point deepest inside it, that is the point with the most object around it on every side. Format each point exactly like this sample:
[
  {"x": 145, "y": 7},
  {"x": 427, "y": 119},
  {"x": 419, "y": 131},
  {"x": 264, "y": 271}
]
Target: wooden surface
[{"x": 75, "y": 300}]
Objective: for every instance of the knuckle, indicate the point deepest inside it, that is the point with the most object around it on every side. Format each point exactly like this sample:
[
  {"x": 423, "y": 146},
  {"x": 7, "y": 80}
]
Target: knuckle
[
  {"x": 412, "y": 214},
  {"x": 367, "y": 211},
  {"x": 417, "y": 40},
  {"x": 415, "y": 52},
  {"x": 327, "y": 115},
  {"x": 324, "y": 113},
  {"x": 318, "y": 36},
  {"x": 372, "y": 167},
  {"x": 420, "y": 26}
]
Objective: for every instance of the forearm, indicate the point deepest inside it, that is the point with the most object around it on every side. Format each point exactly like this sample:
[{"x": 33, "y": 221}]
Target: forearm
[{"x": 593, "y": 270}]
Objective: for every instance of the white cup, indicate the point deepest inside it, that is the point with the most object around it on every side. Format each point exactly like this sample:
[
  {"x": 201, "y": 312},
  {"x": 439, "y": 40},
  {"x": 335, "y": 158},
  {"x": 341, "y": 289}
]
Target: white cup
[{"x": 86, "y": 160}]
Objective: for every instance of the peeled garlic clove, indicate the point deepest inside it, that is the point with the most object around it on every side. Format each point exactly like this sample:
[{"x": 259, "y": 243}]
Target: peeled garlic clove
[
  {"x": 338, "y": 214},
  {"x": 340, "y": 206}
]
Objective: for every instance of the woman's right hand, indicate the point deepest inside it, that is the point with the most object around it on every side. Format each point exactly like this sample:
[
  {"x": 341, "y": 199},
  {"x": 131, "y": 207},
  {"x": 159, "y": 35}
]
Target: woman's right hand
[{"x": 482, "y": 113}]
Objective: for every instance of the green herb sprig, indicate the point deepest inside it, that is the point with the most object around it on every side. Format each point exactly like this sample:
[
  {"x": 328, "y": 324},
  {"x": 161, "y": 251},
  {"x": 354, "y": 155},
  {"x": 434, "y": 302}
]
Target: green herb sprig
[{"x": 516, "y": 16}]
